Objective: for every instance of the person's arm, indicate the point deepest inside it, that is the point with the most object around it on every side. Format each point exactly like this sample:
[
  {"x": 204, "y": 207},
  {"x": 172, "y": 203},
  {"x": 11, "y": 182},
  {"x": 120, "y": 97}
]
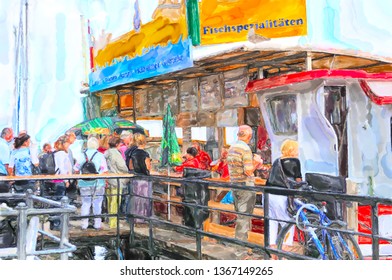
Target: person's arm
[
  {"x": 247, "y": 160},
  {"x": 148, "y": 163},
  {"x": 120, "y": 163},
  {"x": 34, "y": 155},
  {"x": 10, "y": 167},
  {"x": 103, "y": 166}
]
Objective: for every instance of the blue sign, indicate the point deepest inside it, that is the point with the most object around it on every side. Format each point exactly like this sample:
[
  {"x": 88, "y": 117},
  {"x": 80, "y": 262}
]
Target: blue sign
[{"x": 156, "y": 61}]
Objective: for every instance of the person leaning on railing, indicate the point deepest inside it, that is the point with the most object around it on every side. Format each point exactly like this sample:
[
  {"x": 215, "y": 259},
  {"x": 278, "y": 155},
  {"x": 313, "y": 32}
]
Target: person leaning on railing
[
  {"x": 55, "y": 189},
  {"x": 242, "y": 165},
  {"x": 285, "y": 171},
  {"x": 92, "y": 191},
  {"x": 116, "y": 165},
  {"x": 21, "y": 163},
  {"x": 141, "y": 162}
]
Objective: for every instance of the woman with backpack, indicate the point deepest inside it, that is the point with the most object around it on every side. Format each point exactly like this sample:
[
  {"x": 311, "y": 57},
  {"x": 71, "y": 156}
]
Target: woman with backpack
[
  {"x": 55, "y": 189},
  {"x": 92, "y": 191},
  {"x": 21, "y": 163},
  {"x": 116, "y": 165}
]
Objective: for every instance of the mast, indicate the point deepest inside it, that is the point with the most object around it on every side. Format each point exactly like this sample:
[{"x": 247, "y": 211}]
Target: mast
[
  {"x": 20, "y": 117},
  {"x": 26, "y": 69}
]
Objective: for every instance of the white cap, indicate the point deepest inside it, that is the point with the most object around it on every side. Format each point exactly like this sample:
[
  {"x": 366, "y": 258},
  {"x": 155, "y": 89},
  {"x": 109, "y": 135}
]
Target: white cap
[{"x": 125, "y": 134}]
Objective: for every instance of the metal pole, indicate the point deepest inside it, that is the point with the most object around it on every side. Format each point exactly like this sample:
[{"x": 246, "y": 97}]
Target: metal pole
[
  {"x": 118, "y": 218},
  {"x": 266, "y": 220},
  {"x": 64, "y": 233},
  {"x": 168, "y": 194},
  {"x": 375, "y": 245},
  {"x": 150, "y": 231},
  {"x": 22, "y": 226},
  {"x": 26, "y": 70},
  {"x": 29, "y": 198},
  {"x": 308, "y": 61},
  {"x": 130, "y": 216},
  {"x": 198, "y": 235}
]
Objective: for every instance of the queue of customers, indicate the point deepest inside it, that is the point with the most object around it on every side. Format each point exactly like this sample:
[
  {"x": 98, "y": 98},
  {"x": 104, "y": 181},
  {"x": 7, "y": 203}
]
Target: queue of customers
[
  {"x": 109, "y": 154},
  {"x": 118, "y": 155}
]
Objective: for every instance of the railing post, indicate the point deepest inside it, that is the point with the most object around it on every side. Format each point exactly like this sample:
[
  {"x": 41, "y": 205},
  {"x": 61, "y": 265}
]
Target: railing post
[
  {"x": 22, "y": 226},
  {"x": 150, "y": 230},
  {"x": 375, "y": 240},
  {"x": 118, "y": 217},
  {"x": 29, "y": 198},
  {"x": 64, "y": 233},
  {"x": 266, "y": 220},
  {"x": 130, "y": 216},
  {"x": 198, "y": 228}
]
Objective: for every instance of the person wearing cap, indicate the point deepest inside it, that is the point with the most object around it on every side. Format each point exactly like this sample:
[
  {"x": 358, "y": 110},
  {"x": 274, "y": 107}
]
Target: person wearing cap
[
  {"x": 126, "y": 140},
  {"x": 242, "y": 165},
  {"x": 92, "y": 191}
]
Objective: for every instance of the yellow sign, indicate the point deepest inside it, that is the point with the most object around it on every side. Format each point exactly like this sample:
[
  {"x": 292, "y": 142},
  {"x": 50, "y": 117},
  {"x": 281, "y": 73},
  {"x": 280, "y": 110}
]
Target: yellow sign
[
  {"x": 168, "y": 24},
  {"x": 225, "y": 21}
]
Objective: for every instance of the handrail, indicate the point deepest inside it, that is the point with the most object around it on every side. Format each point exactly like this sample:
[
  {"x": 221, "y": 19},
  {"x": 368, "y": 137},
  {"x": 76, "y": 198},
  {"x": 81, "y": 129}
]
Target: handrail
[
  {"x": 266, "y": 249},
  {"x": 25, "y": 209}
]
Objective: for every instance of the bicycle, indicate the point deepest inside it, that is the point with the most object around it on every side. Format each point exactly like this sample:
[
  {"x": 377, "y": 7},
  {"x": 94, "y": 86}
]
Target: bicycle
[{"x": 314, "y": 235}]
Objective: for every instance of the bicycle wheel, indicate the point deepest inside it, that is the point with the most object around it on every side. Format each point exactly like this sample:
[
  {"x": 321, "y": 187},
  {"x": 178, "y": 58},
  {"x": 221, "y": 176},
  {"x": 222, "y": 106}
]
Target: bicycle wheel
[
  {"x": 303, "y": 243},
  {"x": 345, "y": 247}
]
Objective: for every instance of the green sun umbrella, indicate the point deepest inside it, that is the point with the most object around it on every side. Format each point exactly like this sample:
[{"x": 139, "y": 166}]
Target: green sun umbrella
[
  {"x": 171, "y": 153},
  {"x": 106, "y": 126}
]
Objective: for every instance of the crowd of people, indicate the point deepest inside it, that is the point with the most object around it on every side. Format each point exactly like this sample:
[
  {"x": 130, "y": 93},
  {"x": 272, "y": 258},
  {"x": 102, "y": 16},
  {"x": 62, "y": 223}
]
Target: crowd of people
[
  {"x": 117, "y": 154},
  {"x": 124, "y": 153}
]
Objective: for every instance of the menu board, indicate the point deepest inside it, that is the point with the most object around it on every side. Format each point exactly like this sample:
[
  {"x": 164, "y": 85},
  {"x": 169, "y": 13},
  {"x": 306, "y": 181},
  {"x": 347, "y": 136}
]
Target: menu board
[
  {"x": 170, "y": 96},
  {"x": 126, "y": 99},
  {"x": 235, "y": 84},
  {"x": 155, "y": 101},
  {"x": 141, "y": 102},
  {"x": 230, "y": 117},
  {"x": 211, "y": 93},
  {"x": 188, "y": 95}
]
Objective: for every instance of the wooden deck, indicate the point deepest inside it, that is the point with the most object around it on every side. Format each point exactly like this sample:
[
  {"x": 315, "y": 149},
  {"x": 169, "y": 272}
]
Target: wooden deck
[
  {"x": 168, "y": 240},
  {"x": 172, "y": 241}
]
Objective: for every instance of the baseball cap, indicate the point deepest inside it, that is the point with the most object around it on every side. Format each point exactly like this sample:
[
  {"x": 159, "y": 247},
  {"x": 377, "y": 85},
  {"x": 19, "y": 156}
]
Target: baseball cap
[{"x": 125, "y": 134}]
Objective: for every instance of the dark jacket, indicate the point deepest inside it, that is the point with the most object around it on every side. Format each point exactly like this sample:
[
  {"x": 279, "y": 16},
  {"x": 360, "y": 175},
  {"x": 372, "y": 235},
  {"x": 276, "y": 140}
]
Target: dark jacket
[
  {"x": 138, "y": 158},
  {"x": 288, "y": 167}
]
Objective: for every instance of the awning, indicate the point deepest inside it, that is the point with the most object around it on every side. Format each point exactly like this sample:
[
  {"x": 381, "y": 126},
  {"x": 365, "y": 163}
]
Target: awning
[{"x": 273, "y": 62}]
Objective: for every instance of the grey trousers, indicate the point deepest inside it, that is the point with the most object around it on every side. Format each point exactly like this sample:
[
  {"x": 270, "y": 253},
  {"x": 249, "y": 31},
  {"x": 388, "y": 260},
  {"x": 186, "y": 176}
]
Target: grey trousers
[{"x": 244, "y": 202}]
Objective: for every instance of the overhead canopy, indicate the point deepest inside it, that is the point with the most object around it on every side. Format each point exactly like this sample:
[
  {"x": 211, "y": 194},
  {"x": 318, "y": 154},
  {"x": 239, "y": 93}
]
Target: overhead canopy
[{"x": 272, "y": 62}]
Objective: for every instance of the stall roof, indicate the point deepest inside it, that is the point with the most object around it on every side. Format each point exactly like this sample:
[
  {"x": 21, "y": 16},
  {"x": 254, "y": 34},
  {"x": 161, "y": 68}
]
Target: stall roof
[
  {"x": 278, "y": 81},
  {"x": 272, "y": 60}
]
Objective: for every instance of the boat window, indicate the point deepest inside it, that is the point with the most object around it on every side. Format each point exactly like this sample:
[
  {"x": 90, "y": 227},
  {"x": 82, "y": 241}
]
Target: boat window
[
  {"x": 335, "y": 104},
  {"x": 381, "y": 88},
  {"x": 282, "y": 112}
]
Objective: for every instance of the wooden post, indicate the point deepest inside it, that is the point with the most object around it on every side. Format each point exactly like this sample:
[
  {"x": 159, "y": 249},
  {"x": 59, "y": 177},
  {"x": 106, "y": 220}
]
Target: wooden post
[{"x": 186, "y": 138}]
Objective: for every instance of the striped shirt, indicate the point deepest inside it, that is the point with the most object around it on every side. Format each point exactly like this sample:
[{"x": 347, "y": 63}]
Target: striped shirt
[{"x": 239, "y": 160}]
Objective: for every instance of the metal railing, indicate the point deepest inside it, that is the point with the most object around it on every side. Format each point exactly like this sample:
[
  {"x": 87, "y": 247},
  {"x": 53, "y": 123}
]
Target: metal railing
[
  {"x": 153, "y": 221},
  {"x": 27, "y": 217}
]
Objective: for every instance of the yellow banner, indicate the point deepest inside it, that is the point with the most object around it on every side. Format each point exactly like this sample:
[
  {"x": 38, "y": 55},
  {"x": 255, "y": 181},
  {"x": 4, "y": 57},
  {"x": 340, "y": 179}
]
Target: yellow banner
[{"x": 226, "y": 21}]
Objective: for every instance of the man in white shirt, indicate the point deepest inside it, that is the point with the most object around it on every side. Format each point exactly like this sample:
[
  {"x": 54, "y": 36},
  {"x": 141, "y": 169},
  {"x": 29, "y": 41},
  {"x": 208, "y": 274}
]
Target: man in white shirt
[{"x": 7, "y": 135}]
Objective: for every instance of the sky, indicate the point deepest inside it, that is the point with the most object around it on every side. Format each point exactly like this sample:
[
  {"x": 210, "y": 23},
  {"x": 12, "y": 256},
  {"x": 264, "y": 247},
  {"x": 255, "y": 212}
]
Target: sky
[{"x": 57, "y": 59}]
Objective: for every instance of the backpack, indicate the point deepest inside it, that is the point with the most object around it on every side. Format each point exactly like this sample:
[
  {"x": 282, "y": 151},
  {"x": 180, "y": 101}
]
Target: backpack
[
  {"x": 89, "y": 167},
  {"x": 47, "y": 164},
  {"x": 128, "y": 157}
]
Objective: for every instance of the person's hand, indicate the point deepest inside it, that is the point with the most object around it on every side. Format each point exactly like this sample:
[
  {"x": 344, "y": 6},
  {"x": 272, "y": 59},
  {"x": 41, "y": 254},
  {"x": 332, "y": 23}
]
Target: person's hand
[
  {"x": 257, "y": 158},
  {"x": 257, "y": 161}
]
